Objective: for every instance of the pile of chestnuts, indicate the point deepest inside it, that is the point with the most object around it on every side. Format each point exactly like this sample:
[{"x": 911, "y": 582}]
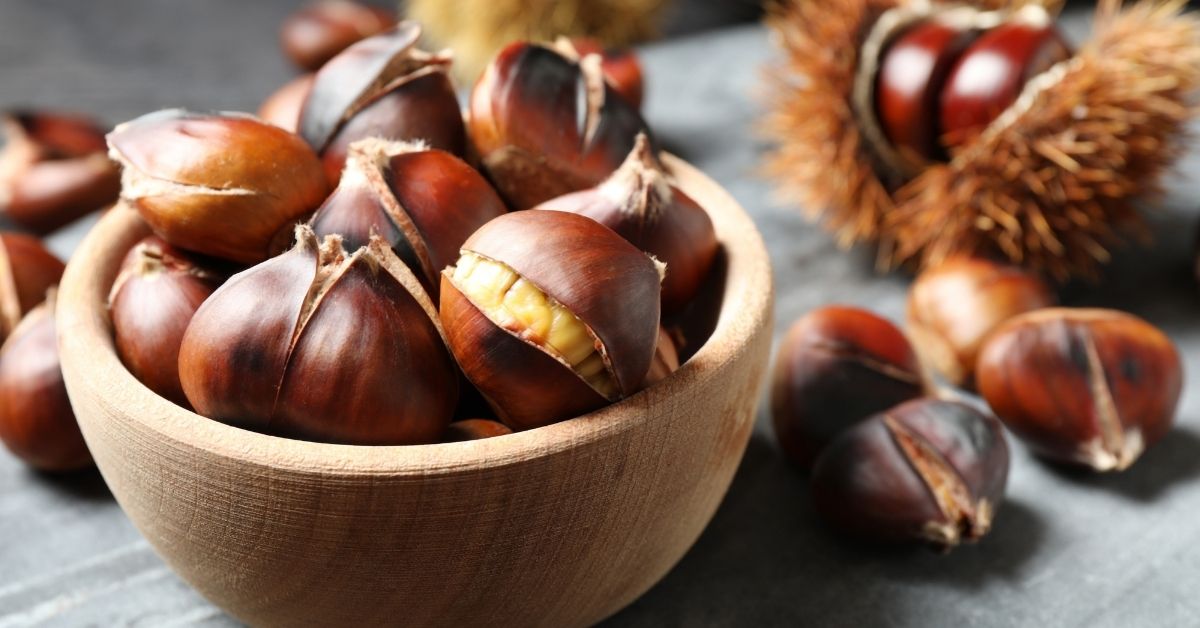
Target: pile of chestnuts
[
  {"x": 364, "y": 266},
  {"x": 53, "y": 170},
  {"x": 892, "y": 457}
]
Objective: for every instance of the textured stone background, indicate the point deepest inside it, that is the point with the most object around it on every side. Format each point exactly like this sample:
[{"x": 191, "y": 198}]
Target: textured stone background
[{"x": 1067, "y": 549}]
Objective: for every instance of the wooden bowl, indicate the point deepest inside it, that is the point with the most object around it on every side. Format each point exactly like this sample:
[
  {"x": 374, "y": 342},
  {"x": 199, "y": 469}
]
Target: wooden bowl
[{"x": 558, "y": 526}]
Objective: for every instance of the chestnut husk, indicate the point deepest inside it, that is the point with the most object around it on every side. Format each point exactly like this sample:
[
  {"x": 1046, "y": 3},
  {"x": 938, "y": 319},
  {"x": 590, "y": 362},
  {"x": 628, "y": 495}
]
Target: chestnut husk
[
  {"x": 639, "y": 203},
  {"x": 607, "y": 283},
  {"x": 1089, "y": 387},
  {"x": 423, "y": 202},
  {"x": 156, "y": 294},
  {"x": 222, "y": 185},
  {"x": 927, "y": 470},
  {"x": 37, "y": 423},
  {"x": 837, "y": 366},
  {"x": 545, "y": 125},
  {"x": 27, "y": 270},
  {"x": 54, "y": 170},
  {"x": 385, "y": 87},
  {"x": 325, "y": 345}
]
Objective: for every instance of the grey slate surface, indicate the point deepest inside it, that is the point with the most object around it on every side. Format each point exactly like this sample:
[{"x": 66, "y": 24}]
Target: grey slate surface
[{"x": 1067, "y": 549}]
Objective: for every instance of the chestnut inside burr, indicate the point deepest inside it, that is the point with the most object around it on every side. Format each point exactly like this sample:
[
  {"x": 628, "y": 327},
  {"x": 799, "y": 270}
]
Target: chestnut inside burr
[{"x": 514, "y": 303}]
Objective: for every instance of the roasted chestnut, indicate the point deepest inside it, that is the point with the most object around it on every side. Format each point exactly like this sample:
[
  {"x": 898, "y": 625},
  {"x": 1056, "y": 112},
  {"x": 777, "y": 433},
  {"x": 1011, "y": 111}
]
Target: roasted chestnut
[
  {"x": 620, "y": 66},
  {"x": 837, "y": 366},
  {"x": 1085, "y": 386},
  {"x": 153, "y": 299},
  {"x": 54, "y": 170},
  {"x": 37, "y": 423},
  {"x": 926, "y": 470},
  {"x": 474, "y": 429},
  {"x": 551, "y": 315},
  {"x": 218, "y": 184},
  {"x": 318, "y": 31},
  {"x": 954, "y": 306},
  {"x": 325, "y": 345},
  {"x": 545, "y": 125},
  {"x": 27, "y": 271},
  {"x": 911, "y": 74},
  {"x": 640, "y": 204},
  {"x": 423, "y": 202},
  {"x": 382, "y": 87},
  {"x": 282, "y": 107},
  {"x": 990, "y": 74}
]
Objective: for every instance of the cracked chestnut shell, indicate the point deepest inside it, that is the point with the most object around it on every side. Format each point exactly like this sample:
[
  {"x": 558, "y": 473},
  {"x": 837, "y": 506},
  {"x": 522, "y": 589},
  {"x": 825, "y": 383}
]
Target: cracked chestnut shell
[
  {"x": 551, "y": 315},
  {"x": 153, "y": 299},
  {"x": 954, "y": 306},
  {"x": 423, "y": 202},
  {"x": 1086, "y": 386},
  {"x": 37, "y": 423},
  {"x": 54, "y": 170},
  {"x": 545, "y": 125},
  {"x": 218, "y": 184},
  {"x": 837, "y": 366},
  {"x": 620, "y": 66},
  {"x": 322, "y": 344},
  {"x": 639, "y": 203},
  {"x": 27, "y": 270},
  {"x": 666, "y": 358},
  {"x": 384, "y": 87},
  {"x": 926, "y": 470},
  {"x": 317, "y": 32}
]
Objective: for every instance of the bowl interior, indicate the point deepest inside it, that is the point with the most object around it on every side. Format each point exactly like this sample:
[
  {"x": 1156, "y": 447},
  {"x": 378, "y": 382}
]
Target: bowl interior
[{"x": 735, "y": 303}]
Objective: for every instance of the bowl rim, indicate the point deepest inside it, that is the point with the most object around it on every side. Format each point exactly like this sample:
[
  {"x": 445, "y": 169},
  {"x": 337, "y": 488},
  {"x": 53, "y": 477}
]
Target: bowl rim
[{"x": 87, "y": 346}]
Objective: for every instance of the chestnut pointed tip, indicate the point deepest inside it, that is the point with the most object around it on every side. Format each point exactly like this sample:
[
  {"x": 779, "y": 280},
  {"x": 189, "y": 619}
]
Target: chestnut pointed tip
[{"x": 1104, "y": 458}]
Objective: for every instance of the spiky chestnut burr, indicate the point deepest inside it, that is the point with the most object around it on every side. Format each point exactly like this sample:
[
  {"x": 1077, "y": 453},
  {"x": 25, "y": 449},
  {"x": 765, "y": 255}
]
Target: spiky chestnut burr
[{"x": 1028, "y": 186}]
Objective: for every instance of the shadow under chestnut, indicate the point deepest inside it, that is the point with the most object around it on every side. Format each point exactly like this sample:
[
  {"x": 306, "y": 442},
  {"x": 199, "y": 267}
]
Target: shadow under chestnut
[{"x": 767, "y": 559}]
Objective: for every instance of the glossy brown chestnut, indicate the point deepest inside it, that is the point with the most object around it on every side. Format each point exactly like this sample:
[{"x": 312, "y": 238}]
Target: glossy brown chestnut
[
  {"x": 474, "y": 429},
  {"x": 545, "y": 125},
  {"x": 954, "y": 306},
  {"x": 1086, "y": 386},
  {"x": 423, "y": 202},
  {"x": 837, "y": 366},
  {"x": 27, "y": 271},
  {"x": 991, "y": 73},
  {"x": 282, "y": 107},
  {"x": 640, "y": 204},
  {"x": 382, "y": 87},
  {"x": 911, "y": 74},
  {"x": 218, "y": 184},
  {"x": 325, "y": 345},
  {"x": 620, "y": 66},
  {"x": 926, "y": 470},
  {"x": 151, "y": 303},
  {"x": 54, "y": 170},
  {"x": 551, "y": 315},
  {"x": 317, "y": 32},
  {"x": 666, "y": 359},
  {"x": 37, "y": 423}
]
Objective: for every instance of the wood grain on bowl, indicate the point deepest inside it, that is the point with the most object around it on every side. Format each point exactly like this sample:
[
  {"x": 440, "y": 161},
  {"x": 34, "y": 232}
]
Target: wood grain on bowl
[{"x": 558, "y": 526}]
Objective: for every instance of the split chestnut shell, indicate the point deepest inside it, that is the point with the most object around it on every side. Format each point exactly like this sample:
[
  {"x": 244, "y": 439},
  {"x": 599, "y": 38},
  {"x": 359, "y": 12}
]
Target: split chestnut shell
[
  {"x": 927, "y": 470},
  {"x": 323, "y": 345},
  {"x": 551, "y": 315},
  {"x": 1087, "y": 386},
  {"x": 545, "y": 125}
]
